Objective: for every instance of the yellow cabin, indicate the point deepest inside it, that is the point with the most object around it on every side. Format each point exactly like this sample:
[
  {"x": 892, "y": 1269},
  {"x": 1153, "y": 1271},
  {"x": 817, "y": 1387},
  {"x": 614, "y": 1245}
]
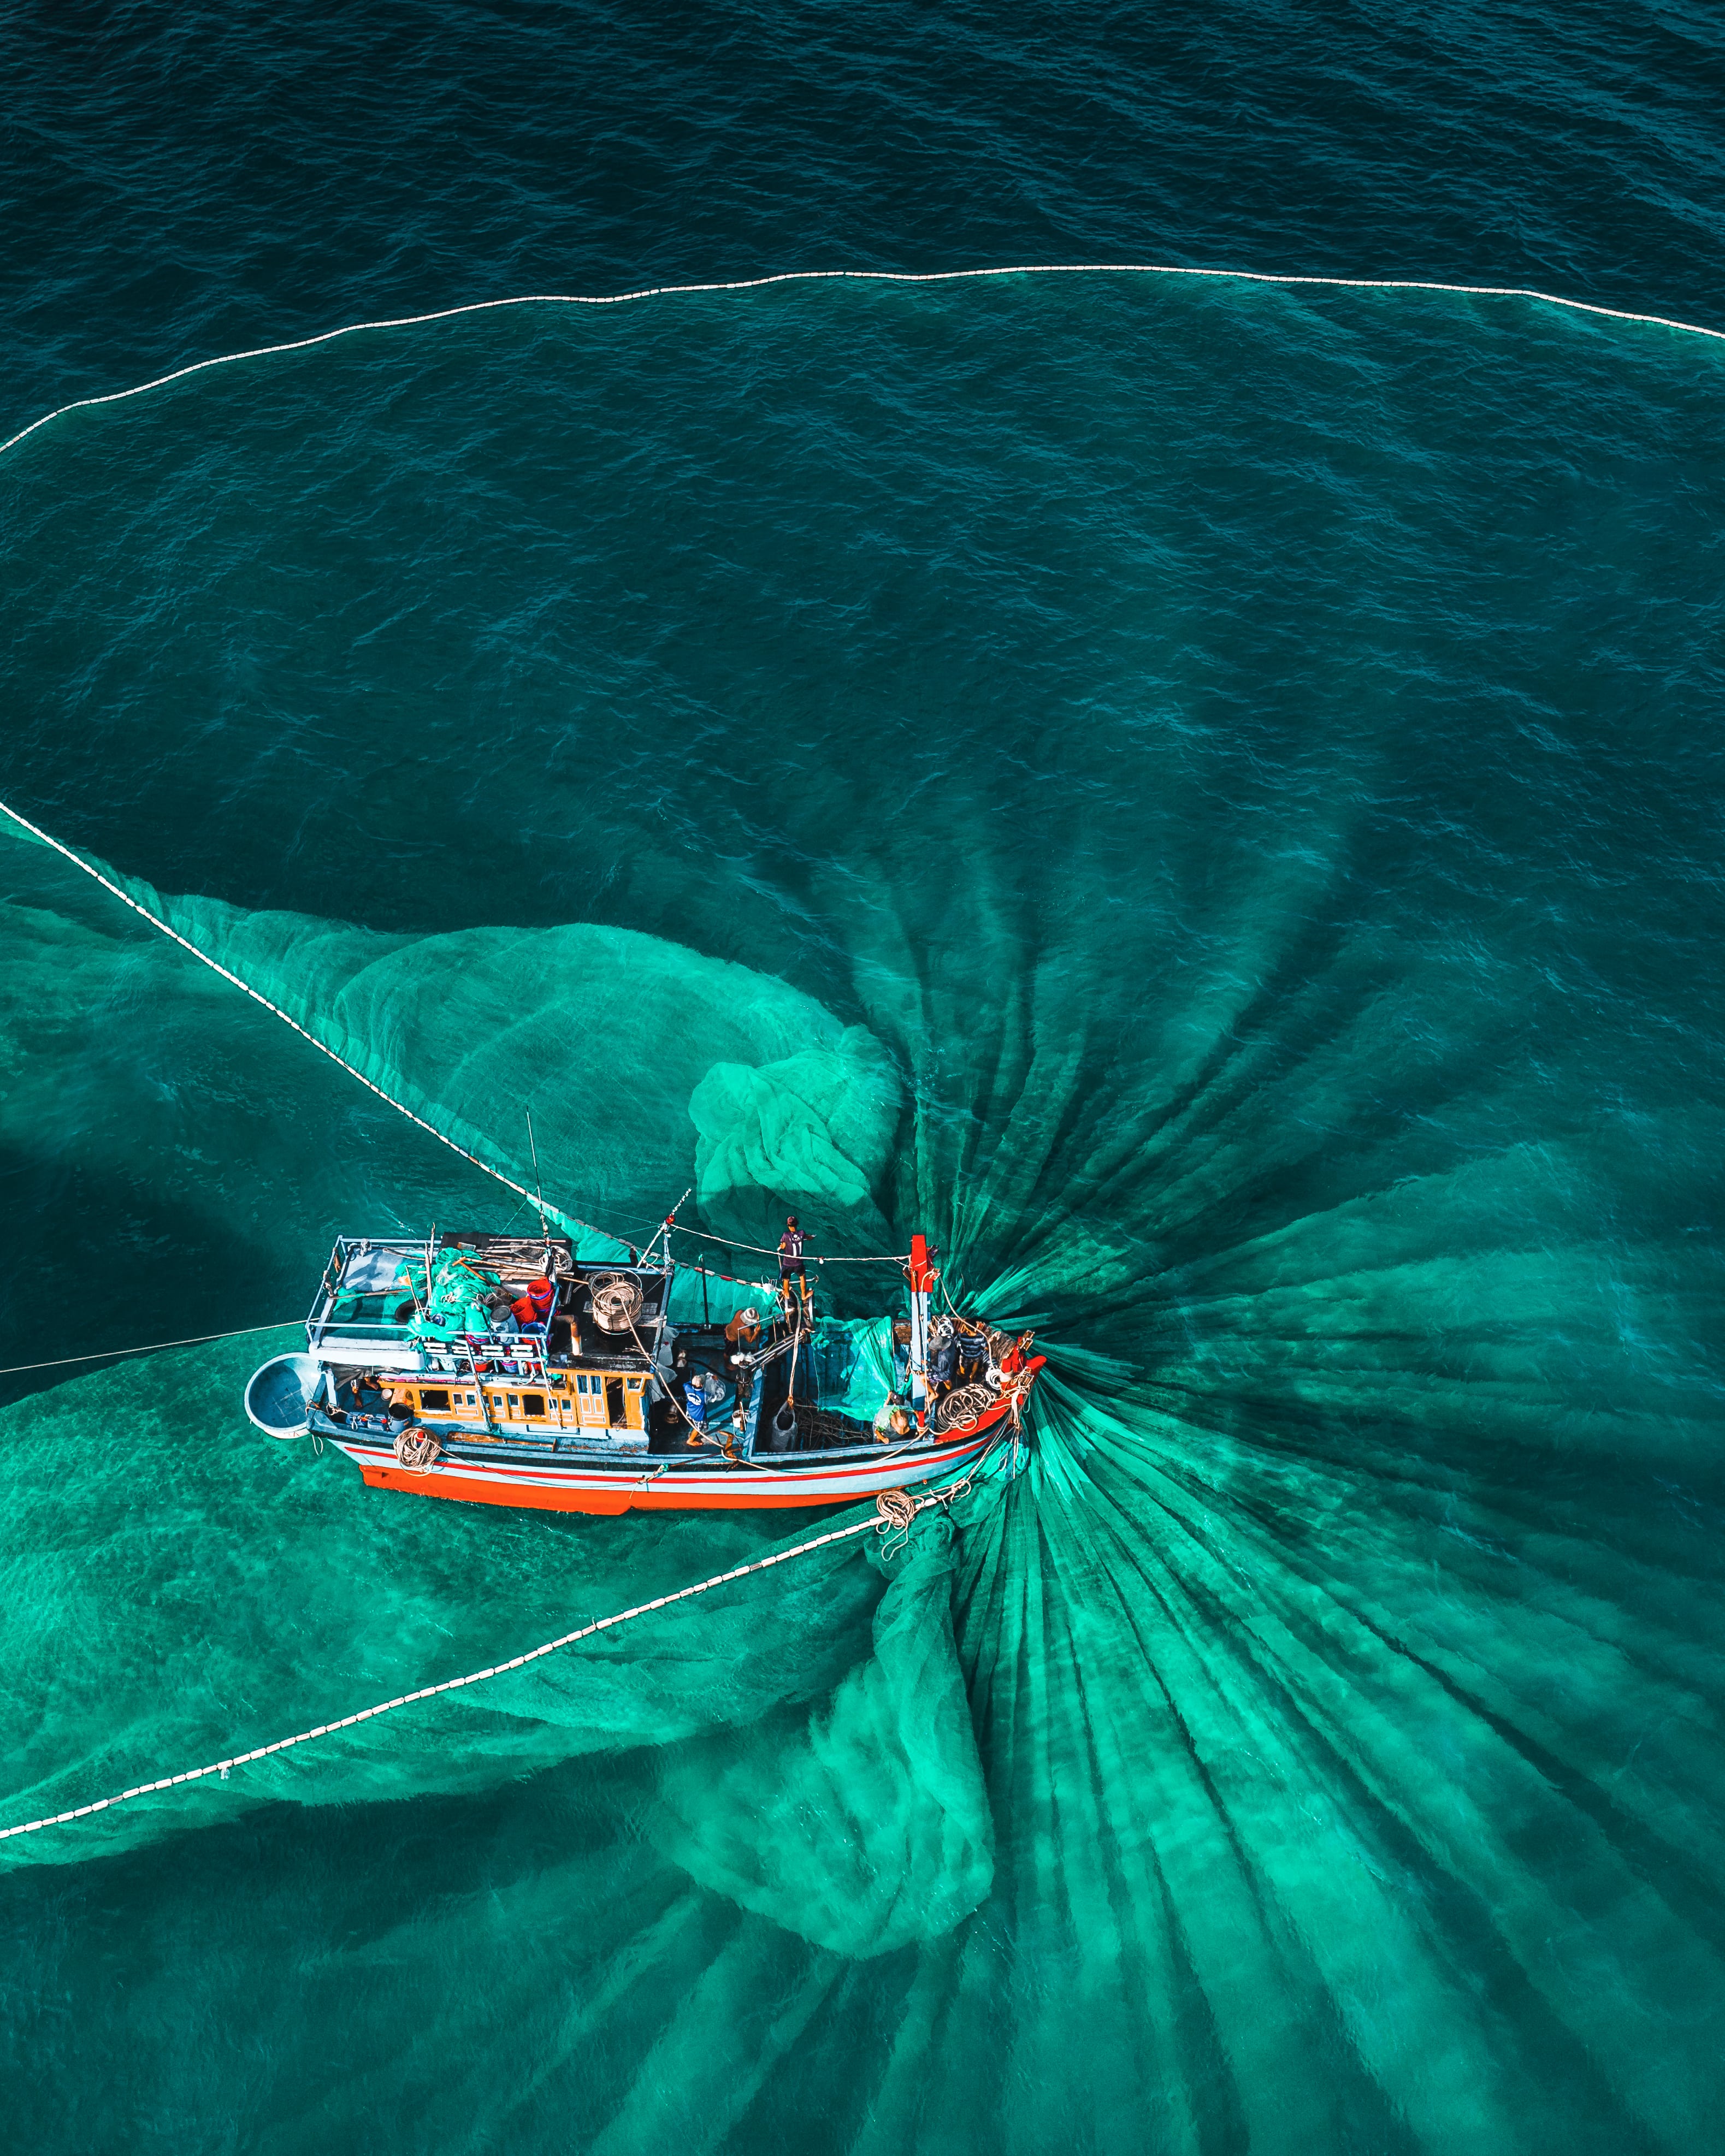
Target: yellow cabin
[{"x": 610, "y": 1403}]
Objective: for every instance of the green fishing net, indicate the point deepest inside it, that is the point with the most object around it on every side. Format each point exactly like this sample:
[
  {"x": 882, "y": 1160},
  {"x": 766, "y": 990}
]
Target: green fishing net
[
  {"x": 1237, "y": 869},
  {"x": 851, "y": 1362},
  {"x": 454, "y": 1295}
]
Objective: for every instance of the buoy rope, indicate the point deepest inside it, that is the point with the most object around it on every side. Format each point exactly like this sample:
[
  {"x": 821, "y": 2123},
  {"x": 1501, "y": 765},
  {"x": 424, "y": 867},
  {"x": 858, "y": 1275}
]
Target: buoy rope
[
  {"x": 280, "y": 1325},
  {"x": 877, "y": 277},
  {"x": 276, "y": 1011},
  {"x": 104, "y": 1354},
  {"x": 401, "y": 1108},
  {"x": 889, "y": 1515}
]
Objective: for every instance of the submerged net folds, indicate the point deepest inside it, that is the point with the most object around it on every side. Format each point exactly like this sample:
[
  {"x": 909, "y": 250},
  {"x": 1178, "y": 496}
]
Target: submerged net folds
[{"x": 1220, "y": 897}]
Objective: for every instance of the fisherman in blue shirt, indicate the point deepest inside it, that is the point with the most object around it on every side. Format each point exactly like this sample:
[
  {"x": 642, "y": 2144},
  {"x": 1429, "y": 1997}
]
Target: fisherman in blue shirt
[{"x": 695, "y": 1406}]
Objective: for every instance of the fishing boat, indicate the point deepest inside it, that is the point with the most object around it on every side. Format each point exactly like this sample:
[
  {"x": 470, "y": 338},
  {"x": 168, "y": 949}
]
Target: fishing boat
[{"x": 511, "y": 1371}]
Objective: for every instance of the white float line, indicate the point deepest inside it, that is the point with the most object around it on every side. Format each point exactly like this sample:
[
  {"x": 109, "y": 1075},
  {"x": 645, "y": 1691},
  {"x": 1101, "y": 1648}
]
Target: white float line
[
  {"x": 275, "y": 1010},
  {"x": 155, "y": 1348},
  {"x": 877, "y": 277},
  {"x": 455, "y": 1684}
]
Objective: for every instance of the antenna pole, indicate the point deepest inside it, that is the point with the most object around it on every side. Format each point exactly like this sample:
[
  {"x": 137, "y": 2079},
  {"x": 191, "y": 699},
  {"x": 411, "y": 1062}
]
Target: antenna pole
[
  {"x": 671, "y": 1222},
  {"x": 538, "y": 1187}
]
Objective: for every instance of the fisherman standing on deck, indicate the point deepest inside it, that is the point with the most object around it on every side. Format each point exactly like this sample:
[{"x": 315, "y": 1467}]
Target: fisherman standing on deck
[
  {"x": 791, "y": 1266},
  {"x": 942, "y": 1357},
  {"x": 972, "y": 1338}
]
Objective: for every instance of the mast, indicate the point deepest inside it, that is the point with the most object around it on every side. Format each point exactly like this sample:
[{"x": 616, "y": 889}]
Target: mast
[{"x": 920, "y": 1275}]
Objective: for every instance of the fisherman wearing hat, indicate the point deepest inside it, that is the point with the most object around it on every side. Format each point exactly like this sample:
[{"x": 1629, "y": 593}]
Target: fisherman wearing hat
[
  {"x": 892, "y": 1424},
  {"x": 700, "y": 1390},
  {"x": 743, "y": 1331},
  {"x": 972, "y": 1341}
]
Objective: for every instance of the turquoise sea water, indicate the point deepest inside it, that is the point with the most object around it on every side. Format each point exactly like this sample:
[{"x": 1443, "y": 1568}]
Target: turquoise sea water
[{"x": 1206, "y": 798}]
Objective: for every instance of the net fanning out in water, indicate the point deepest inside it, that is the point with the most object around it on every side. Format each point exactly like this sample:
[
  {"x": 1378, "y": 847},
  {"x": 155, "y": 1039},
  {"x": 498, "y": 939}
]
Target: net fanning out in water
[{"x": 1195, "y": 796}]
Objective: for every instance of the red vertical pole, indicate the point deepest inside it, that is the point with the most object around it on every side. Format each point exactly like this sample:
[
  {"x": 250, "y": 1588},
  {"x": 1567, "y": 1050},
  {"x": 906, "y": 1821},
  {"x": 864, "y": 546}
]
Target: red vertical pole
[{"x": 921, "y": 1274}]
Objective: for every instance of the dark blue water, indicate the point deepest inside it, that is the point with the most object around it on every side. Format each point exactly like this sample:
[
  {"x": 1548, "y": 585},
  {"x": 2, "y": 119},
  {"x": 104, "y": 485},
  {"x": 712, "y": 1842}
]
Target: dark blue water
[
  {"x": 190, "y": 181},
  {"x": 1206, "y": 796}
]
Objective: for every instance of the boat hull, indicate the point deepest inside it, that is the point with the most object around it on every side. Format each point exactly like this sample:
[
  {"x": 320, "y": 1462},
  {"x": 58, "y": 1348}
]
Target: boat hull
[{"x": 661, "y": 1485}]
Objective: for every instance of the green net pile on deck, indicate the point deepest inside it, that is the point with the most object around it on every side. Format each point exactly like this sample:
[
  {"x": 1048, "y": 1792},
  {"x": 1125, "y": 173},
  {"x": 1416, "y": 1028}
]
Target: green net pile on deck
[{"x": 456, "y": 1293}]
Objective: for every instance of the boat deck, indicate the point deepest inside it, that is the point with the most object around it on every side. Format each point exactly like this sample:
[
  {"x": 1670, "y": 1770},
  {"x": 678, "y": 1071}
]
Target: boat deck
[{"x": 427, "y": 1367}]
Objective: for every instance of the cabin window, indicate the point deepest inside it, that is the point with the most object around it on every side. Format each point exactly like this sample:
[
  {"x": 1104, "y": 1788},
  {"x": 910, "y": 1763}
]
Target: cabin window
[
  {"x": 514, "y": 1405},
  {"x": 533, "y": 1403},
  {"x": 434, "y": 1396},
  {"x": 614, "y": 1400}
]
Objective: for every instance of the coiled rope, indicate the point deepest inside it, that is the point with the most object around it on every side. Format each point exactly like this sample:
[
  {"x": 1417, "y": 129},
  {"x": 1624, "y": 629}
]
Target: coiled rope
[
  {"x": 876, "y": 277},
  {"x": 895, "y": 1512},
  {"x": 275, "y": 1010}
]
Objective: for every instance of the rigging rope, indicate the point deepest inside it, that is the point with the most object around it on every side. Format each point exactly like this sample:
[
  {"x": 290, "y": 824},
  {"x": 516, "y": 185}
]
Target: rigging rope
[
  {"x": 104, "y": 1354},
  {"x": 706, "y": 1235},
  {"x": 276, "y": 1011},
  {"x": 890, "y": 1514},
  {"x": 766, "y": 1287}
]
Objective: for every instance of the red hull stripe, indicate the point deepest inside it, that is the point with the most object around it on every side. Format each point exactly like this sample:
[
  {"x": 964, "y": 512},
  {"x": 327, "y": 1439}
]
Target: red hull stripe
[
  {"x": 737, "y": 1491},
  {"x": 546, "y": 1498}
]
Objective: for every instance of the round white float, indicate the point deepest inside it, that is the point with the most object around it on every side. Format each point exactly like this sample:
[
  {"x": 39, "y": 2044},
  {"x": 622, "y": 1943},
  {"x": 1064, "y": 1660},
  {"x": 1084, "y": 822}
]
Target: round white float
[{"x": 278, "y": 1396}]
